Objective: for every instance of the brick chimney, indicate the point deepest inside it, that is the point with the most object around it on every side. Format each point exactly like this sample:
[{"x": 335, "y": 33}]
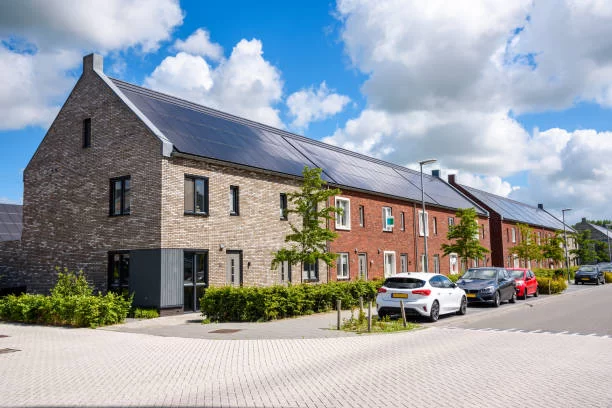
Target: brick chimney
[
  {"x": 541, "y": 206},
  {"x": 584, "y": 220},
  {"x": 451, "y": 179}
]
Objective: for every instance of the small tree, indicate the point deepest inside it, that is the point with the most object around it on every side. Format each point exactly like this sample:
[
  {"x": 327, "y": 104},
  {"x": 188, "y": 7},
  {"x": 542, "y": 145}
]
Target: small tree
[
  {"x": 309, "y": 241},
  {"x": 584, "y": 247},
  {"x": 553, "y": 248},
  {"x": 465, "y": 236},
  {"x": 527, "y": 248}
]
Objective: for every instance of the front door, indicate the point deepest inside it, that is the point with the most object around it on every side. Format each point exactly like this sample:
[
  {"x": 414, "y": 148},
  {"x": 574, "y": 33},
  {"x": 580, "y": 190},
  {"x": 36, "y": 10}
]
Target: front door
[
  {"x": 195, "y": 279},
  {"x": 233, "y": 268},
  {"x": 363, "y": 266}
]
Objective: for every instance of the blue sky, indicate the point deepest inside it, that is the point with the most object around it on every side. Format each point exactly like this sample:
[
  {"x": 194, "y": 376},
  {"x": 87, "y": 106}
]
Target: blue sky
[{"x": 514, "y": 98}]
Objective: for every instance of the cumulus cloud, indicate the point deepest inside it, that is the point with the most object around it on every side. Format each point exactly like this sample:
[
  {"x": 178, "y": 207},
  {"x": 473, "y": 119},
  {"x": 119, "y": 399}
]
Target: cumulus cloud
[
  {"x": 245, "y": 84},
  {"x": 199, "y": 43},
  {"x": 447, "y": 81},
  {"x": 310, "y": 105},
  {"x": 42, "y": 42}
]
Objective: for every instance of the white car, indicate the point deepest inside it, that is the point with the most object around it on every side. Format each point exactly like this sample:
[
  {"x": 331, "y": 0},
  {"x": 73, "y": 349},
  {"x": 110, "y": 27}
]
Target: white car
[{"x": 424, "y": 294}]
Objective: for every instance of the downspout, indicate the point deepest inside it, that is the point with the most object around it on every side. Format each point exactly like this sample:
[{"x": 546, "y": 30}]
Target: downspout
[{"x": 414, "y": 234}]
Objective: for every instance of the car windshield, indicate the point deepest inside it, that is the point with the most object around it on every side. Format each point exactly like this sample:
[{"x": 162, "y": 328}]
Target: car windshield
[
  {"x": 586, "y": 269},
  {"x": 404, "y": 283},
  {"x": 517, "y": 274},
  {"x": 484, "y": 274}
]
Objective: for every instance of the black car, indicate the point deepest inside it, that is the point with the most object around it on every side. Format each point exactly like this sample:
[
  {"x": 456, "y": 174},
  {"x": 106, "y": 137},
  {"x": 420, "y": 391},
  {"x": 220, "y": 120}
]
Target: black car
[
  {"x": 590, "y": 274},
  {"x": 489, "y": 284}
]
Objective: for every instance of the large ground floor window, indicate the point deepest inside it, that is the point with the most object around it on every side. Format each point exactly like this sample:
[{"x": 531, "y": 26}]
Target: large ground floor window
[{"x": 119, "y": 272}]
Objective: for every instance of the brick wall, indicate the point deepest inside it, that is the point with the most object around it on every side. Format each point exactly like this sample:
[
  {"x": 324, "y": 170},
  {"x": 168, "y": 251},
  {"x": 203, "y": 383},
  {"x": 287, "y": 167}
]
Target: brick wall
[
  {"x": 373, "y": 241},
  {"x": 66, "y": 219},
  {"x": 506, "y": 238}
]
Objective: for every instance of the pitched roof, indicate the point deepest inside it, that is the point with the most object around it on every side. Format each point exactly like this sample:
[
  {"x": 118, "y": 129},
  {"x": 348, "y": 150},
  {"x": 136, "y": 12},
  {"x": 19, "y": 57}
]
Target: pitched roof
[
  {"x": 601, "y": 229},
  {"x": 10, "y": 222},
  {"x": 200, "y": 131},
  {"x": 516, "y": 211}
]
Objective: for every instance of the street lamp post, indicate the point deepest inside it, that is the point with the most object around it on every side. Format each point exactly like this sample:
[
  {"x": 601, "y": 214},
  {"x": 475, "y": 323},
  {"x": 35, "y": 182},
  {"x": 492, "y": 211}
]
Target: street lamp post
[
  {"x": 423, "y": 219},
  {"x": 565, "y": 243},
  {"x": 608, "y": 236}
]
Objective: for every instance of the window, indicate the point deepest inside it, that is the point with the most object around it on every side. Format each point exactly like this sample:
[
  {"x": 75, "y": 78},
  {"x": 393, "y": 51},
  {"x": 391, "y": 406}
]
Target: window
[
  {"x": 389, "y": 257},
  {"x": 234, "y": 201},
  {"x": 285, "y": 271},
  {"x": 86, "y": 133},
  {"x": 361, "y": 216},
  {"x": 403, "y": 263},
  {"x": 475, "y": 262},
  {"x": 507, "y": 235},
  {"x": 513, "y": 235},
  {"x": 436, "y": 282},
  {"x": 482, "y": 231},
  {"x": 540, "y": 238},
  {"x": 436, "y": 268},
  {"x": 387, "y": 219},
  {"x": 343, "y": 221},
  {"x": 119, "y": 272},
  {"x": 451, "y": 221},
  {"x": 454, "y": 264},
  {"x": 283, "y": 207},
  {"x": 120, "y": 196},
  {"x": 435, "y": 225},
  {"x": 343, "y": 266},
  {"x": 310, "y": 272},
  {"x": 196, "y": 195},
  {"x": 422, "y": 262},
  {"x": 425, "y": 220}
]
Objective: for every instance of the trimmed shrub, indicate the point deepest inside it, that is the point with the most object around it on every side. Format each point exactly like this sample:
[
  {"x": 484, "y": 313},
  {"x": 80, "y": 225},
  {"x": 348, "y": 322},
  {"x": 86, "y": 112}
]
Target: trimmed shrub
[
  {"x": 71, "y": 303},
  {"x": 608, "y": 276},
  {"x": 454, "y": 277},
  {"x": 249, "y": 304},
  {"x": 549, "y": 286},
  {"x": 146, "y": 313},
  {"x": 560, "y": 273}
]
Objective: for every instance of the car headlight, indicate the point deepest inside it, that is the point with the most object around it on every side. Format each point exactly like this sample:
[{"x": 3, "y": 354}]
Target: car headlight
[
  {"x": 488, "y": 289},
  {"x": 520, "y": 282}
]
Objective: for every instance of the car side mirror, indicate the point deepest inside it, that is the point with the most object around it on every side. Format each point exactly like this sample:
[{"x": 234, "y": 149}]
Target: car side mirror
[{"x": 453, "y": 285}]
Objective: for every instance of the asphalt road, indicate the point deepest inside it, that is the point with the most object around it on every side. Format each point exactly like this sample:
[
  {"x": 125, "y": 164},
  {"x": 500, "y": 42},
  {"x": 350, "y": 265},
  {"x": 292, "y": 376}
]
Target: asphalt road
[{"x": 584, "y": 309}]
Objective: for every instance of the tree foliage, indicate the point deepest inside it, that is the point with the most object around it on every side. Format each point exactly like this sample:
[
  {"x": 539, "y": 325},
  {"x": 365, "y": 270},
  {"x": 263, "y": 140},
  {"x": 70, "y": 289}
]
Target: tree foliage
[
  {"x": 527, "y": 248},
  {"x": 585, "y": 250},
  {"x": 553, "y": 248},
  {"x": 464, "y": 237},
  {"x": 308, "y": 241}
]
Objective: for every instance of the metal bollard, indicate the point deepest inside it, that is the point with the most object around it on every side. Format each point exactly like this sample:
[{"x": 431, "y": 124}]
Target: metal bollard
[
  {"x": 360, "y": 303},
  {"x": 369, "y": 316},
  {"x": 403, "y": 312},
  {"x": 339, "y": 308}
]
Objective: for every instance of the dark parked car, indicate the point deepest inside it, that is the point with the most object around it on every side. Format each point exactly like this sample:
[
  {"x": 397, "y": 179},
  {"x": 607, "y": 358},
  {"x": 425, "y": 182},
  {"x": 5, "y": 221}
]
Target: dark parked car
[
  {"x": 489, "y": 284},
  {"x": 590, "y": 274}
]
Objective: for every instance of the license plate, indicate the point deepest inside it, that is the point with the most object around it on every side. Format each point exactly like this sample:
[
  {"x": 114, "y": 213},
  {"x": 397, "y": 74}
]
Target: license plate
[
  {"x": 399, "y": 295},
  {"x": 471, "y": 295},
  {"x": 586, "y": 278}
]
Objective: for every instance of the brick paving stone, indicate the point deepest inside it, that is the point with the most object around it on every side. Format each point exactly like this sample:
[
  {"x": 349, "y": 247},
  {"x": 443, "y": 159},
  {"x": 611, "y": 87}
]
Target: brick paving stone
[{"x": 437, "y": 367}]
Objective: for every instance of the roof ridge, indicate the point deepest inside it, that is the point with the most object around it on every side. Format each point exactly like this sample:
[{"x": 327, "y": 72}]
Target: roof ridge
[
  {"x": 502, "y": 197},
  {"x": 243, "y": 121}
]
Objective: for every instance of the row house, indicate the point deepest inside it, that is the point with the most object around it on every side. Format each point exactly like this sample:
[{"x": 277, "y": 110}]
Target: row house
[
  {"x": 155, "y": 195},
  {"x": 505, "y": 215}
]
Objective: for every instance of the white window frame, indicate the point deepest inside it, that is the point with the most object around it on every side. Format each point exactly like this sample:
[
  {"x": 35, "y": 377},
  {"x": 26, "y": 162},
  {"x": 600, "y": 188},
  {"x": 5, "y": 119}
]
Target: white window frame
[
  {"x": 421, "y": 232},
  {"x": 346, "y": 215},
  {"x": 451, "y": 221},
  {"x": 453, "y": 261},
  {"x": 403, "y": 262},
  {"x": 513, "y": 233},
  {"x": 342, "y": 266},
  {"x": 361, "y": 216},
  {"x": 386, "y": 210},
  {"x": 435, "y": 225},
  {"x": 391, "y": 269}
]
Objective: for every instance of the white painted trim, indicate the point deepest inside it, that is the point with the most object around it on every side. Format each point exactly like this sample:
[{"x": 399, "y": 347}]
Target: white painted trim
[
  {"x": 347, "y": 214},
  {"x": 394, "y": 265},
  {"x": 338, "y": 266}
]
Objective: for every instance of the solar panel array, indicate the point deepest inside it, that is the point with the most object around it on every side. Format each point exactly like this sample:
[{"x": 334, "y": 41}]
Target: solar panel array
[
  {"x": 204, "y": 132},
  {"x": 10, "y": 222},
  {"x": 601, "y": 229},
  {"x": 516, "y": 211}
]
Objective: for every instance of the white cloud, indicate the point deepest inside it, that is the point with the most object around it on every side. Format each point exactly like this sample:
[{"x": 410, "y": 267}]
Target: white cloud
[
  {"x": 492, "y": 184},
  {"x": 199, "y": 43},
  {"x": 42, "y": 42},
  {"x": 245, "y": 84},
  {"x": 310, "y": 105}
]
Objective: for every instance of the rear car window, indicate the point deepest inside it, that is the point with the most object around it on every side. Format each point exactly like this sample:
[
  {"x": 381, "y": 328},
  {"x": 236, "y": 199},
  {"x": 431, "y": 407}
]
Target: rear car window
[
  {"x": 403, "y": 283},
  {"x": 517, "y": 274}
]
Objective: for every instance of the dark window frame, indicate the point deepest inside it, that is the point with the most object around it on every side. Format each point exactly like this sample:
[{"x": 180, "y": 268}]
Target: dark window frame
[
  {"x": 310, "y": 273},
  {"x": 284, "y": 216},
  {"x": 205, "y": 211},
  {"x": 123, "y": 209},
  {"x": 235, "y": 205},
  {"x": 86, "y": 139},
  {"x": 122, "y": 289}
]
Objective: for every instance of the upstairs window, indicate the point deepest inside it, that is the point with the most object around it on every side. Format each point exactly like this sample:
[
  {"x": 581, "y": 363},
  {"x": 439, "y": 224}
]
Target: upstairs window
[
  {"x": 435, "y": 225},
  {"x": 451, "y": 221},
  {"x": 283, "y": 206},
  {"x": 343, "y": 221},
  {"x": 482, "y": 231},
  {"x": 120, "y": 196},
  {"x": 402, "y": 221},
  {"x": 196, "y": 195},
  {"x": 387, "y": 219},
  {"x": 234, "y": 200},
  {"x": 423, "y": 223},
  {"x": 86, "y": 133},
  {"x": 361, "y": 216},
  {"x": 513, "y": 235}
]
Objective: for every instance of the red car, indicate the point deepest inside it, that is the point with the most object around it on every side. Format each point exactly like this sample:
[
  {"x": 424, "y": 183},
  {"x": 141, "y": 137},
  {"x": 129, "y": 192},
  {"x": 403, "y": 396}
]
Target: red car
[{"x": 526, "y": 282}]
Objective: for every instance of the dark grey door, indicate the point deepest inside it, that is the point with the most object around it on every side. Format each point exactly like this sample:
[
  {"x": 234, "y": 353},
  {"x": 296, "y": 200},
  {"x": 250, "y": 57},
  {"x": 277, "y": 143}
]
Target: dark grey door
[{"x": 195, "y": 279}]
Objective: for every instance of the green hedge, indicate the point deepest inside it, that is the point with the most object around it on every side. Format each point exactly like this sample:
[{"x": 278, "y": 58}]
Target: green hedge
[
  {"x": 145, "y": 313},
  {"x": 454, "y": 277},
  {"x": 71, "y": 303},
  {"x": 550, "y": 286},
  {"x": 608, "y": 276},
  {"x": 249, "y": 304},
  {"x": 560, "y": 273}
]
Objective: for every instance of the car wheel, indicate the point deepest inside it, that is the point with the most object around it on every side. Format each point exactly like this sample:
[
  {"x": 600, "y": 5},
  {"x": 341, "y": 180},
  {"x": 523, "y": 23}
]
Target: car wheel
[
  {"x": 496, "y": 300},
  {"x": 463, "y": 308},
  {"x": 597, "y": 282},
  {"x": 513, "y": 298},
  {"x": 536, "y": 293},
  {"x": 434, "y": 313},
  {"x": 524, "y": 294}
]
